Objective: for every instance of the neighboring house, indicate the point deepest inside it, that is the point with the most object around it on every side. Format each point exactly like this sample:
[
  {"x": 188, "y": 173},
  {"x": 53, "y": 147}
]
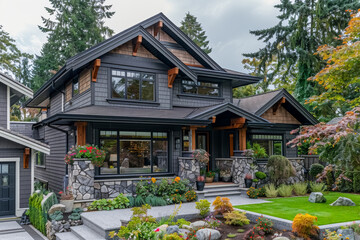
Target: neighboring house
[
  {"x": 18, "y": 152},
  {"x": 150, "y": 95}
]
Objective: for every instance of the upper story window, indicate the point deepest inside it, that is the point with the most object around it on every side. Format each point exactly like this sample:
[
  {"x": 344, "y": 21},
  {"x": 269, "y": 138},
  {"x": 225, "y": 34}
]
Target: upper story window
[
  {"x": 132, "y": 85},
  {"x": 201, "y": 88},
  {"x": 75, "y": 87}
]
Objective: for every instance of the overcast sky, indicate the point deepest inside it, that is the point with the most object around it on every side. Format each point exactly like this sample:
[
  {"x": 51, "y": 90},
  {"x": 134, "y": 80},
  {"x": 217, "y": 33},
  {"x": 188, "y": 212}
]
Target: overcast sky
[{"x": 227, "y": 22}]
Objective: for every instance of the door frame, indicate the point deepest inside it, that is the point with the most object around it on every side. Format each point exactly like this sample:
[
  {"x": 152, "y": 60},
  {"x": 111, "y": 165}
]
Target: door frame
[{"x": 18, "y": 211}]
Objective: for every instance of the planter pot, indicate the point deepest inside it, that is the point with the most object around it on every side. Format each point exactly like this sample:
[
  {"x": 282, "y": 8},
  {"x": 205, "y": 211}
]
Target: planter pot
[
  {"x": 216, "y": 178},
  {"x": 248, "y": 182},
  {"x": 209, "y": 179},
  {"x": 226, "y": 178},
  {"x": 69, "y": 205},
  {"x": 200, "y": 185}
]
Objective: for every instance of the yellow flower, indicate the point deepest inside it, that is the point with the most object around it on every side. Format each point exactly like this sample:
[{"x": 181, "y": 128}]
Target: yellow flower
[
  {"x": 153, "y": 180},
  {"x": 177, "y": 179},
  {"x": 340, "y": 235}
]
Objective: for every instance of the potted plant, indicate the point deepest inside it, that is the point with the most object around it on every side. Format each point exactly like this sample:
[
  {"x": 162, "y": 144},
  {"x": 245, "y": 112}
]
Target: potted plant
[
  {"x": 256, "y": 181},
  {"x": 248, "y": 180},
  {"x": 217, "y": 175},
  {"x": 202, "y": 157},
  {"x": 225, "y": 175},
  {"x": 210, "y": 177},
  {"x": 86, "y": 152},
  {"x": 200, "y": 183},
  {"x": 67, "y": 199}
]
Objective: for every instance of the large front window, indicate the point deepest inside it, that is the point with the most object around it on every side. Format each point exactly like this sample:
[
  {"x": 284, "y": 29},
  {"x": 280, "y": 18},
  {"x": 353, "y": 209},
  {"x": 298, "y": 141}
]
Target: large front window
[
  {"x": 201, "y": 88},
  {"x": 132, "y": 85},
  {"x": 273, "y": 144},
  {"x": 134, "y": 152}
]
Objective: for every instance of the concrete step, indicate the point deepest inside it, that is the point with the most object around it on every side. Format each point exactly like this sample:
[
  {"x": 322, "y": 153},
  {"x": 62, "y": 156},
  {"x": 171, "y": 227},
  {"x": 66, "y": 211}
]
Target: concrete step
[
  {"x": 83, "y": 232},
  {"x": 222, "y": 194},
  {"x": 66, "y": 236},
  {"x": 222, "y": 190},
  {"x": 99, "y": 225},
  {"x": 233, "y": 185}
]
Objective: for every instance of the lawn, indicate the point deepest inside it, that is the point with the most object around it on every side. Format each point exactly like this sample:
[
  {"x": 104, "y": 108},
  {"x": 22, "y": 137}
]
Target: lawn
[{"x": 287, "y": 208}]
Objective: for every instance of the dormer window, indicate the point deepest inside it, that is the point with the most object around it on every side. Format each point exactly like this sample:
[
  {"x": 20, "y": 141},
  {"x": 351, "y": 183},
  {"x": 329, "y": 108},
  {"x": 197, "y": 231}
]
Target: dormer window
[
  {"x": 75, "y": 87},
  {"x": 132, "y": 85},
  {"x": 201, "y": 88}
]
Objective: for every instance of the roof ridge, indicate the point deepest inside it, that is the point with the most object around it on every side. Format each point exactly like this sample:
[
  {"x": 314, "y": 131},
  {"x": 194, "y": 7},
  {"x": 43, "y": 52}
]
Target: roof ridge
[{"x": 260, "y": 94}]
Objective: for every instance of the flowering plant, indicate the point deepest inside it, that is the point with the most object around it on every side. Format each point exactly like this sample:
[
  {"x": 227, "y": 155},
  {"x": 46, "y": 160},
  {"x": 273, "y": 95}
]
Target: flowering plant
[
  {"x": 201, "y": 155},
  {"x": 91, "y": 152},
  {"x": 212, "y": 222},
  {"x": 67, "y": 195},
  {"x": 190, "y": 195}
]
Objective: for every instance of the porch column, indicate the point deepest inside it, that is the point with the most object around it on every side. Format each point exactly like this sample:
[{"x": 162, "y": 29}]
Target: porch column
[
  {"x": 192, "y": 138},
  {"x": 242, "y": 139},
  {"x": 81, "y": 133}
]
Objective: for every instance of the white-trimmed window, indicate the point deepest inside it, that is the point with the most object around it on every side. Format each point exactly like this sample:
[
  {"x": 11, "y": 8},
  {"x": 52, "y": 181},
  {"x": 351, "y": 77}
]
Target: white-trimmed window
[{"x": 40, "y": 159}]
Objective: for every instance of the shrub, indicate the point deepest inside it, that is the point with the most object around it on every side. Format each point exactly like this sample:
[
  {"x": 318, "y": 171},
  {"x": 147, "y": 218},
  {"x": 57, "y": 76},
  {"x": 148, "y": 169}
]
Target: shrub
[
  {"x": 253, "y": 192},
  {"x": 236, "y": 218},
  {"x": 317, "y": 187},
  {"x": 356, "y": 227},
  {"x": 271, "y": 191},
  {"x": 262, "y": 192},
  {"x": 210, "y": 174},
  {"x": 119, "y": 202},
  {"x": 222, "y": 205},
  {"x": 180, "y": 222},
  {"x": 57, "y": 216},
  {"x": 173, "y": 236},
  {"x": 280, "y": 169},
  {"x": 356, "y": 181},
  {"x": 91, "y": 152},
  {"x": 212, "y": 222},
  {"x": 316, "y": 169},
  {"x": 260, "y": 175},
  {"x": 264, "y": 224},
  {"x": 304, "y": 226},
  {"x": 300, "y": 188},
  {"x": 331, "y": 235},
  {"x": 203, "y": 206},
  {"x": 190, "y": 196},
  {"x": 155, "y": 201},
  {"x": 285, "y": 190},
  {"x": 327, "y": 176}
]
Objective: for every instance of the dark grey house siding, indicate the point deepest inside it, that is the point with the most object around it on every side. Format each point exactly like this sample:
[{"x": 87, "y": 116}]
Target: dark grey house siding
[
  {"x": 84, "y": 99},
  {"x": 3, "y": 105},
  {"x": 9, "y": 149},
  {"x": 24, "y": 128},
  {"x": 55, "y": 104},
  {"x": 290, "y": 151}
]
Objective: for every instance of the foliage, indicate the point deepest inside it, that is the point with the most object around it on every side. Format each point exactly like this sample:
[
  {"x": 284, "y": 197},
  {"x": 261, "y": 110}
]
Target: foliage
[
  {"x": 201, "y": 155},
  {"x": 231, "y": 235},
  {"x": 316, "y": 169},
  {"x": 212, "y": 222},
  {"x": 190, "y": 196},
  {"x": 155, "y": 201},
  {"x": 75, "y": 216},
  {"x": 120, "y": 202},
  {"x": 177, "y": 198},
  {"x": 337, "y": 143},
  {"x": 222, "y": 205},
  {"x": 253, "y": 192},
  {"x": 304, "y": 226},
  {"x": 180, "y": 222},
  {"x": 317, "y": 187},
  {"x": 248, "y": 176},
  {"x": 67, "y": 195},
  {"x": 91, "y": 152},
  {"x": 203, "y": 206},
  {"x": 327, "y": 177},
  {"x": 285, "y": 190},
  {"x": 260, "y": 175},
  {"x": 210, "y": 174},
  {"x": 173, "y": 236},
  {"x": 259, "y": 151},
  {"x": 280, "y": 169},
  {"x": 271, "y": 191},
  {"x": 74, "y": 27},
  {"x": 193, "y": 29},
  {"x": 57, "y": 216},
  {"x": 236, "y": 218},
  {"x": 264, "y": 224},
  {"x": 355, "y": 227},
  {"x": 331, "y": 235},
  {"x": 300, "y": 188}
]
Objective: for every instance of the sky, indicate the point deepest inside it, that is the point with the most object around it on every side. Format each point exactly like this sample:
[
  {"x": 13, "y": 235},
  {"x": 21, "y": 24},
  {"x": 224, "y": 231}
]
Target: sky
[{"x": 227, "y": 22}]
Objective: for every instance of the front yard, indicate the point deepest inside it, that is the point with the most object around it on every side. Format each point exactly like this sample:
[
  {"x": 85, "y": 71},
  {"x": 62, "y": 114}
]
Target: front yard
[{"x": 287, "y": 208}]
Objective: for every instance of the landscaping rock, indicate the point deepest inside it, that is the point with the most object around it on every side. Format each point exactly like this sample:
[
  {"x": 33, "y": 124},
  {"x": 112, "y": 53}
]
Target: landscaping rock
[
  {"x": 317, "y": 197},
  {"x": 281, "y": 238},
  {"x": 346, "y": 233},
  {"x": 343, "y": 201},
  {"x": 187, "y": 227},
  {"x": 197, "y": 224},
  {"x": 208, "y": 234},
  {"x": 162, "y": 228},
  {"x": 184, "y": 232},
  {"x": 172, "y": 229},
  {"x": 56, "y": 207}
]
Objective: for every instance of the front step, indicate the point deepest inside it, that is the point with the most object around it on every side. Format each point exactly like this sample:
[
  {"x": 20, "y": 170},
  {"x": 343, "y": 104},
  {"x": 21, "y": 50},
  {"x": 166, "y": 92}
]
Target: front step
[
  {"x": 85, "y": 233},
  {"x": 66, "y": 236},
  {"x": 221, "y": 190}
]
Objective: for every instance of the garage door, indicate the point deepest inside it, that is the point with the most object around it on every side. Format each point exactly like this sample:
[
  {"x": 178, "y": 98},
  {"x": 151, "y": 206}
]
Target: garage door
[{"x": 7, "y": 189}]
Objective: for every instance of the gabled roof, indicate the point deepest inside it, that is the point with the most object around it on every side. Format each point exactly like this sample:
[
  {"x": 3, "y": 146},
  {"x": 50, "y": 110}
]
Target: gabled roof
[
  {"x": 17, "y": 89},
  {"x": 24, "y": 140},
  {"x": 259, "y": 104}
]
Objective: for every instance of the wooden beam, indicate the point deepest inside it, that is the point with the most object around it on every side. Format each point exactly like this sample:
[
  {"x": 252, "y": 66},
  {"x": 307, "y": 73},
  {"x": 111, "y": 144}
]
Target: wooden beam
[
  {"x": 278, "y": 104},
  {"x": 235, "y": 123},
  {"x": 194, "y": 65},
  {"x": 193, "y": 137},
  {"x": 213, "y": 119},
  {"x": 81, "y": 133},
  {"x": 95, "y": 69},
  {"x": 172, "y": 73},
  {"x": 231, "y": 142},
  {"x": 26, "y": 158},
  {"x": 137, "y": 45},
  {"x": 158, "y": 26},
  {"x": 242, "y": 139}
]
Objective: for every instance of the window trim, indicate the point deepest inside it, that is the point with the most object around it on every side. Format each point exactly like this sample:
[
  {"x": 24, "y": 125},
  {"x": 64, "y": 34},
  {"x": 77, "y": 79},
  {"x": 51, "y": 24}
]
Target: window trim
[
  {"x": 111, "y": 98},
  {"x": 37, "y": 165},
  {"x": 219, "y": 87},
  {"x": 283, "y": 145}
]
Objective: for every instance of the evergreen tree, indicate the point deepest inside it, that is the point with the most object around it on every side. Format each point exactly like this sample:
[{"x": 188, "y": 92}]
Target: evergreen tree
[
  {"x": 195, "y": 32},
  {"x": 78, "y": 25},
  {"x": 304, "y": 25}
]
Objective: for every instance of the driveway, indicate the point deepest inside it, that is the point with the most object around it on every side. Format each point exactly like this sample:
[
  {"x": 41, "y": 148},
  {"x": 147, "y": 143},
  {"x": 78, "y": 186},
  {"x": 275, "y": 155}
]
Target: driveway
[{"x": 12, "y": 230}]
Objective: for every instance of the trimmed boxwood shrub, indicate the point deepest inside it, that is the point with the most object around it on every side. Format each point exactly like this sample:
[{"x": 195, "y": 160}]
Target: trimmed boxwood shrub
[
  {"x": 316, "y": 169},
  {"x": 356, "y": 181},
  {"x": 260, "y": 175}
]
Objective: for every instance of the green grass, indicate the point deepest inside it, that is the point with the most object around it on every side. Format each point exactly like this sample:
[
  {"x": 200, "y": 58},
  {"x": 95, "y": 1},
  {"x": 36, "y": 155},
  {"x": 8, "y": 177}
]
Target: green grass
[{"x": 287, "y": 208}]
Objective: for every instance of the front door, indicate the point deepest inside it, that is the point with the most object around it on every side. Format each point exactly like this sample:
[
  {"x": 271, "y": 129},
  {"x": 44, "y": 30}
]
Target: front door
[
  {"x": 202, "y": 141},
  {"x": 7, "y": 188}
]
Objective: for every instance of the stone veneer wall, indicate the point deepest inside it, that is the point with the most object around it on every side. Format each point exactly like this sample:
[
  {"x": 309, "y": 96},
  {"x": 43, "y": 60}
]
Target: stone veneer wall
[
  {"x": 81, "y": 179},
  {"x": 189, "y": 168},
  {"x": 241, "y": 167}
]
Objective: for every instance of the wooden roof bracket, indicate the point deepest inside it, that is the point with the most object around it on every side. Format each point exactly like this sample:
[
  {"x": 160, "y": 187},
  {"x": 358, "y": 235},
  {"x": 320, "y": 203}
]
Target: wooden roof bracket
[
  {"x": 172, "y": 73},
  {"x": 213, "y": 119},
  {"x": 95, "y": 69},
  {"x": 278, "y": 104},
  {"x": 157, "y": 28},
  {"x": 137, "y": 45}
]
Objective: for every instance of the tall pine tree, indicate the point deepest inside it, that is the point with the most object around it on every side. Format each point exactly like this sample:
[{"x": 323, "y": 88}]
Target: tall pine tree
[
  {"x": 304, "y": 25},
  {"x": 195, "y": 32},
  {"x": 78, "y": 25}
]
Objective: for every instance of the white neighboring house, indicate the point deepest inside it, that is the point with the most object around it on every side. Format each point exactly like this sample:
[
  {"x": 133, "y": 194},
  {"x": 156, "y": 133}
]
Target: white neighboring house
[{"x": 19, "y": 152}]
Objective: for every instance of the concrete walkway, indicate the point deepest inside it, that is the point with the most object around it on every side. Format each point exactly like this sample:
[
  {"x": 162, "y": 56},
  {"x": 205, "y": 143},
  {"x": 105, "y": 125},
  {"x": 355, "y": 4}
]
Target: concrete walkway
[{"x": 14, "y": 231}]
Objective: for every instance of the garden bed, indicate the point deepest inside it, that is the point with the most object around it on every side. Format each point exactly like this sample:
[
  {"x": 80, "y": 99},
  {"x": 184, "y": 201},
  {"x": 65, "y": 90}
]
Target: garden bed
[{"x": 287, "y": 208}]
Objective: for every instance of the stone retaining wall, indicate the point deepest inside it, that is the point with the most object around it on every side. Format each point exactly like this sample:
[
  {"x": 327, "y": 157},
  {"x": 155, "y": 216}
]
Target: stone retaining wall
[
  {"x": 241, "y": 167},
  {"x": 81, "y": 179},
  {"x": 189, "y": 168}
]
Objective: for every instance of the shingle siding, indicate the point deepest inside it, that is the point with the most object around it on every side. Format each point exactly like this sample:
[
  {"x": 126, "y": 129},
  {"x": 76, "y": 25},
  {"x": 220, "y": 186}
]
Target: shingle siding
[
  {"x": 55, "y": 104},
  {"x": 84, "y": 99},
  {"x": 24, "y": 128},
  {"x": 9, "y": 149},
  {"x": 3, "y": 105}
]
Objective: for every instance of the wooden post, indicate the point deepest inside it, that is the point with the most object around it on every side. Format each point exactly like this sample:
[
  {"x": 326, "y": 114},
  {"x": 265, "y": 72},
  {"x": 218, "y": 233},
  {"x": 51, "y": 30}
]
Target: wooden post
[
  {"x": 192, "y": 135},
  {"x": 81, "y": 133},
  {"x": 242, "y": 139},
  {"x": 231, "y": 136},
  {"x": 26, "y": 158}
]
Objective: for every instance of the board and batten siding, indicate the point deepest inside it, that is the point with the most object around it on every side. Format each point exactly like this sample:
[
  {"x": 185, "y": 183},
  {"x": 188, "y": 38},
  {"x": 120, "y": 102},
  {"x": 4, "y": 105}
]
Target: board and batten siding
[
  {"x": 3, "y": 105},
  {"x": 9, "y": 149}
]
